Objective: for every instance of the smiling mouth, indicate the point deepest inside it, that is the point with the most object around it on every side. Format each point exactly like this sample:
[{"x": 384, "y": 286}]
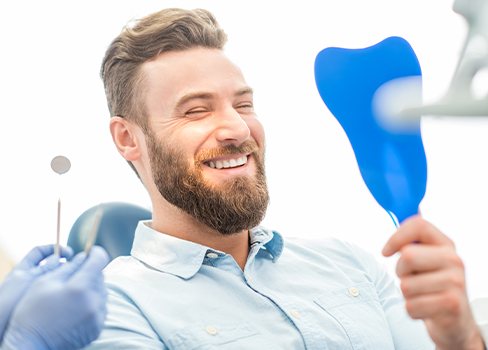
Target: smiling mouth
[{"x": 227, "y": 163}]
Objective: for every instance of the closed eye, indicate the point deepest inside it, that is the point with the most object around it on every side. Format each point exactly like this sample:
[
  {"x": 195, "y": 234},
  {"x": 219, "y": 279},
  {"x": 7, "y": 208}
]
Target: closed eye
[
  {"x": 196, "y": 112},
  {"x": 245, "y": 107}
]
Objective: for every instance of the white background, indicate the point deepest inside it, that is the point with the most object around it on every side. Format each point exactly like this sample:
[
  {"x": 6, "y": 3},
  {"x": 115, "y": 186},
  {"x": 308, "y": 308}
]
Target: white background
[{"x": 52, "y": 102}]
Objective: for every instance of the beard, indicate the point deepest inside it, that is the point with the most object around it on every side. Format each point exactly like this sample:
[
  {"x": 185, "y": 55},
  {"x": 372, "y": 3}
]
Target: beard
[{"x": 237, "y": 204}]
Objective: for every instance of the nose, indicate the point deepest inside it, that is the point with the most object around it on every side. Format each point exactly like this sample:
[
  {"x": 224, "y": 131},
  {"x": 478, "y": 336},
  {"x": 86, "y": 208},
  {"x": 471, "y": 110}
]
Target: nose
[{"x": 231, "y": 128}]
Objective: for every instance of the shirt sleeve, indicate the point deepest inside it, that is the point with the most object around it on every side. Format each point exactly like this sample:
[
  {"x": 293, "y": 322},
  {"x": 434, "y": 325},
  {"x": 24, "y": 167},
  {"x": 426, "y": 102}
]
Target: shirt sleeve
[
  {"x": 406, "y": 333},
  {"x": 125, "y": 326}
]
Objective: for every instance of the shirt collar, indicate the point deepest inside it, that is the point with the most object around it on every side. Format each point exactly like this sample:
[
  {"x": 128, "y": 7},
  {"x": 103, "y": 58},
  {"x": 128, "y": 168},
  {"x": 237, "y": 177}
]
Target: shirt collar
[
  {"x": 184, "y": 258},
  {"x": 266, "y": 239}
]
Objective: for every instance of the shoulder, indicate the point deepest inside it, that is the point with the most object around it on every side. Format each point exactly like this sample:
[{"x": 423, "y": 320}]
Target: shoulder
[
  {"x": 126, "y": 272},
  {"x": 122, "y": 265},
  {"x": 334, "y": 251},
  {"x": 329, "y": 246}
]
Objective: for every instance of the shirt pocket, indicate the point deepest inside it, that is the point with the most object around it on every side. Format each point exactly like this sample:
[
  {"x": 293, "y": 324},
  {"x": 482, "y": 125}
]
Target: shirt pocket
[
  {"x": 218, "y": 335},
  {"x": 358, "y": 310}
]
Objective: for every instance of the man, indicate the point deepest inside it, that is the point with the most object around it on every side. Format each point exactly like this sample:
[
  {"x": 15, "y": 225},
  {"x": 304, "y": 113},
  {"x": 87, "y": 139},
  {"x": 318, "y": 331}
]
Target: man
[
  {"x": 202, "y": 273},
  {"x": 46, "y": 305}
]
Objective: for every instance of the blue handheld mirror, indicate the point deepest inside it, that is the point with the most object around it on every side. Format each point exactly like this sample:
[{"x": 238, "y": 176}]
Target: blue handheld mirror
[{"x": 390, "y": 156}]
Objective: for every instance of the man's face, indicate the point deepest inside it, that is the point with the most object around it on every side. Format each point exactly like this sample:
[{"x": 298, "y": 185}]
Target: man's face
[{"x": 205, "y": 145}]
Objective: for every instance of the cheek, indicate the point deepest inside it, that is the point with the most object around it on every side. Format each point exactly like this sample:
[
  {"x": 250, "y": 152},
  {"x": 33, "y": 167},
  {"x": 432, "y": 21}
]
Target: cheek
[
  {"x": 257, "y": 131},
  {"x": 191, "y": 137}
]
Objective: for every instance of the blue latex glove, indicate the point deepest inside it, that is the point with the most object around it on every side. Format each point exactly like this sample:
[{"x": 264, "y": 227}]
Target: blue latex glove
[
  {"x": 63, "y": 309},
  {"x": 22, "y": 276}
]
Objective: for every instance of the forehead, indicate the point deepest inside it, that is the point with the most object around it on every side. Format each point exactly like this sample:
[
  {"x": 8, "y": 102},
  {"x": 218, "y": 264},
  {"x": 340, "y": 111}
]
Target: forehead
[{"x": 174, "y": 74}]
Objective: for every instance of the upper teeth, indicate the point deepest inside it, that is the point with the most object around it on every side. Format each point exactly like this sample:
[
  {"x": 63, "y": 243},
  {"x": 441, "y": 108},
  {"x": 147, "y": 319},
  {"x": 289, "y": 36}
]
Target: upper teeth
[{"x": 230, "y": 163}]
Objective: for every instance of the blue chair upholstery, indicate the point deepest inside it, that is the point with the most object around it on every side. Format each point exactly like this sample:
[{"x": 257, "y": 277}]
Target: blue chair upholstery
[{"x": 118, "y": 222}]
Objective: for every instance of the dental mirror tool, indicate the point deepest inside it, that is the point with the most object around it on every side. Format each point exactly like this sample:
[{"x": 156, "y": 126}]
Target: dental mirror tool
[
  {"x": 91, "y": 235},
  {"x": 60, "y": 165}
]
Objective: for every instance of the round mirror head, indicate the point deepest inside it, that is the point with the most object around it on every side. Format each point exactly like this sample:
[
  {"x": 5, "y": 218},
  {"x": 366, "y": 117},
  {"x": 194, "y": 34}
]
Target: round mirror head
[{"x": 60, "y": 164}]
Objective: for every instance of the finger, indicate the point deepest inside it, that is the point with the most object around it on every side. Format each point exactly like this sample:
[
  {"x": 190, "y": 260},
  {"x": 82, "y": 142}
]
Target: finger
[
  {"x": 432, "y": 282},
  {"x": 50, "y": 263},
  {"x": 420, "y": 258},
  {"x": 93, "y": 265},
  {"x": 39, "y": 253},
  {"x": 415, "y": 229},
  {"x": 69, "y": 268},
  {"x": 435, "y": 305},
  {"x": 35, "y": 256},
  {"x": 97, "y": 259}
]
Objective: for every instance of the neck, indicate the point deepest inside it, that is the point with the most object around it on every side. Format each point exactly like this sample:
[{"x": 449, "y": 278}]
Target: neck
[{"x": 174, "y": 222}]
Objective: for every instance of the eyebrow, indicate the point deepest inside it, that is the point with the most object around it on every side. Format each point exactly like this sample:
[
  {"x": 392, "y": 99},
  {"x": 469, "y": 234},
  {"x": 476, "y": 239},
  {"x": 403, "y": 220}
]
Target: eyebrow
[
  {"x": 207, "y": 96},
  {"x": 244, "y": 91}
]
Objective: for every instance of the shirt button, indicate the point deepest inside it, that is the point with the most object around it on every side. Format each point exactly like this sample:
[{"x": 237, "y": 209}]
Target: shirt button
[
  {"x": 211, "y": 330},
  {"x": 353, "y": 291},
  {"x": 212, "y": 255},
  {"x": 295, "y": 313}
]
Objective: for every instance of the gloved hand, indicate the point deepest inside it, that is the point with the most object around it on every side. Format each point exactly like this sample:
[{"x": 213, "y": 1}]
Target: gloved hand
[
  {"x": 63, "y": 309},
  {"x": 21, "y": 277}
]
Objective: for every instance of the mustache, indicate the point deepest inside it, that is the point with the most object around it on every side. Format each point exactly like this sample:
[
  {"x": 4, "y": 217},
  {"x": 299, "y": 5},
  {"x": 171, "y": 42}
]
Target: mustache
[{"x": 249, "y": 146}]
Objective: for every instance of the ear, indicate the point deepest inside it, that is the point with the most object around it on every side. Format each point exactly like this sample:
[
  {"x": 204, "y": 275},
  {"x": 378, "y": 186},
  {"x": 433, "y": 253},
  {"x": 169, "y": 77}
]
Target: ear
[{"x": 126, "y": 136}]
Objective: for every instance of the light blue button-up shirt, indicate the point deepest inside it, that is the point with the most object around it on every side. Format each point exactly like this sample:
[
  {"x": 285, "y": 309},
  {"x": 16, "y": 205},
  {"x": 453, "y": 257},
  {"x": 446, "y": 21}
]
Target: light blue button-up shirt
[{"x": 299, "y": 294}]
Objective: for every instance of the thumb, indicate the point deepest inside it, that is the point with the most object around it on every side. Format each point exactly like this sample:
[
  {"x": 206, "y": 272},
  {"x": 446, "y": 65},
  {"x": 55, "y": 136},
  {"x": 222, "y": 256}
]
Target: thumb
[{"x": 39, "y": 253}]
